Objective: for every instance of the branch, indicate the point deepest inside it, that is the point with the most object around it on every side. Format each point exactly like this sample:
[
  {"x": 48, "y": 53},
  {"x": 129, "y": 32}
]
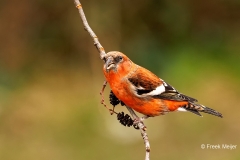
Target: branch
[
  {"x": 89, "y": 30},
  {"x": 143, "y": 130},
  {"x": 102, "y": 53}
]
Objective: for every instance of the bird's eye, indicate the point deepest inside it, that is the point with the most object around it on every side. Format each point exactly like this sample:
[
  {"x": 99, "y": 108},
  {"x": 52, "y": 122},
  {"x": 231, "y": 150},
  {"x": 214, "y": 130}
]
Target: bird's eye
[{"x": 119, "y": 58}]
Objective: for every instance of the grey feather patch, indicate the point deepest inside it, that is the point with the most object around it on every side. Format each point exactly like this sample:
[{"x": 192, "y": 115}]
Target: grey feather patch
[
  {"x": 193, "y": 109},
  {"x": 196, "y": 108}
]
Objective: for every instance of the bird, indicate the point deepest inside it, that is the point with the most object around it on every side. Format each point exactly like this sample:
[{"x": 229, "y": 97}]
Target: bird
[{"x": 144, "y": 92}]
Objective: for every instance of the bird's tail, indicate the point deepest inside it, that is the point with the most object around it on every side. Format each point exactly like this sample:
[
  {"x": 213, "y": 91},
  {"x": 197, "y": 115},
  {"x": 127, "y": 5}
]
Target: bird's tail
[{"x": 196, "y": 108}]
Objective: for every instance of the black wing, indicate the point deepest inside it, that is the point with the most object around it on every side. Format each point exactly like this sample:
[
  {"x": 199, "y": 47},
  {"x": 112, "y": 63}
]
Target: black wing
[
  {"x": 149, "y": 84},
  {"x": 172, "y": 94}
]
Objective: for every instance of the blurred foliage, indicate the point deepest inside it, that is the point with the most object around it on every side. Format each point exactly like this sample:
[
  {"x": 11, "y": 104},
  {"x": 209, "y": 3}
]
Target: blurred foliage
[{"x": 50, "y": 77}]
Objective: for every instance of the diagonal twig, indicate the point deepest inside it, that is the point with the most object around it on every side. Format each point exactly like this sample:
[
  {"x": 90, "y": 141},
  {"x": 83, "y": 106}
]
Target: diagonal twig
[
  {"x": 143, "y": 130},
  {"x": 96, "y": 43},
  {"x": 89, "y": 30}
]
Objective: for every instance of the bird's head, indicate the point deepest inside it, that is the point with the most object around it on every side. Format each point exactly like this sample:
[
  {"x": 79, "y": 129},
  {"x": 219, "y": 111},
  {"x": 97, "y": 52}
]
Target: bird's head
[{"x": 117, "y": 62}]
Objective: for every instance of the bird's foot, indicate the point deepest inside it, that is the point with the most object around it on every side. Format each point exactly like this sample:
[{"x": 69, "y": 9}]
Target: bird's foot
[{"x": 138, "y": 120}]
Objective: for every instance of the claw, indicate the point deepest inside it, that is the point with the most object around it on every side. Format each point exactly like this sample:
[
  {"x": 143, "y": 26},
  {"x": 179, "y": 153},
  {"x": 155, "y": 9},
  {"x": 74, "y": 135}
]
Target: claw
[{"x": 140, "y": 120}]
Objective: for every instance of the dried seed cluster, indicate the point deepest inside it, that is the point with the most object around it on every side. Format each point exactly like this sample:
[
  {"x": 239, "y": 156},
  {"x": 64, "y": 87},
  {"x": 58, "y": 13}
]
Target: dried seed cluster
[
  {"x": 113, "y": 99},
  {"x": 125, "y": 120}
]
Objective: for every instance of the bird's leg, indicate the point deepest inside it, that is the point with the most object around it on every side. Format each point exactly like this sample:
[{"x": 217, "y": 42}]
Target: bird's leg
[
  {"x": 102, "y": 101},
  {"x": 138, "y": 122},
  {"x": 138, "y": 119}
]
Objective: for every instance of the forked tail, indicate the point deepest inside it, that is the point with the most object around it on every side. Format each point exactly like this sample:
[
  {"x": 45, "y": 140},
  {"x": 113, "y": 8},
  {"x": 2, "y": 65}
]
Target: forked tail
[{"x": 196, "y": 108}]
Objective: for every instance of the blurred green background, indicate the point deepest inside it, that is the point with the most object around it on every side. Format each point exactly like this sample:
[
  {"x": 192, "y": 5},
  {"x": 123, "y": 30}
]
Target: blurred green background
[{"x": 50, "y": 77}]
